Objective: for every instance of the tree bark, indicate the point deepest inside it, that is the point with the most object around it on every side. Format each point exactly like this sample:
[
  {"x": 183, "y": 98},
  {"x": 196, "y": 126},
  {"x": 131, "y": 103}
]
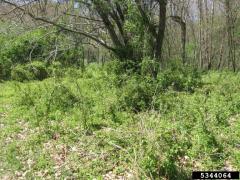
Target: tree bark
[
  {"x": 161, "y": 30},
  {"x": 230, "y": 34},
  {"x": 180, "y": 21},
  {"x": 200, "y": 7}
]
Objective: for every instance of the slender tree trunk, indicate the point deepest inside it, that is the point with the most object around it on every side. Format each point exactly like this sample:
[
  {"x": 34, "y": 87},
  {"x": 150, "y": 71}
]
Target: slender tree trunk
[
  {"x": 207, "y": 38},
  {"x": 200, "y": 33},
  {"x": 161, "y": 31},
  {"x": 184, "y": 35},
  {"x": 230, "y": 34},
  {"x": 180, "y": 21},
  {"x": 211, "y": 53},
  {"x": 221, "y": 55}
]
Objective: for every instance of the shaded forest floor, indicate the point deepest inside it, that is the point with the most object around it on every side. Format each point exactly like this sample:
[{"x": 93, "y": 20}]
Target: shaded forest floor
[{"x": 190, "y": 131}]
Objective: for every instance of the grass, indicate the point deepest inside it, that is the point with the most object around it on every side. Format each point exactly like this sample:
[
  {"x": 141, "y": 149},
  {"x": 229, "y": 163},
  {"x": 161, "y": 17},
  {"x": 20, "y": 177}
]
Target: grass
[{"x": 74, "y": 127}]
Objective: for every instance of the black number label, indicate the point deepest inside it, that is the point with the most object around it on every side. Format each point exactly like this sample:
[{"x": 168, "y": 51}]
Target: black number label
[{"x": 215, "y": 175}]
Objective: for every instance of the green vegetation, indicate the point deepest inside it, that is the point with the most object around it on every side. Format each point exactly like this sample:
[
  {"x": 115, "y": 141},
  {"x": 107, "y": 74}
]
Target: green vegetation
[
  {"x": 101, "y": 124},
  {"x": 33, "y": 71},
  {"x": 121, "y": 89}
]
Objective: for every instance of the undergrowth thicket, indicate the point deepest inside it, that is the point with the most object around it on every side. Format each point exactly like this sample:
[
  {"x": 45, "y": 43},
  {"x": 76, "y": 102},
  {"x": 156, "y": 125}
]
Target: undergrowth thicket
[{"x": 126, "y": 122}]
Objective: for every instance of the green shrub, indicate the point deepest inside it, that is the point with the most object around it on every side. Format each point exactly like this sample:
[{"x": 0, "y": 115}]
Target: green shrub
[
  {"x": 137, "y": 94},
  {"x": 20, "y": 48},
  {"x": 21, "y": 73},
  {"x": 180, "y": 78},
  {"x": 71, "y": 56},
  {"x": 73, "y": 72},
  {"x": 33, "y": 71},
  {"x": 5, "y": 68},
  {"x": 60, "y": 98},
  {"x": 148, "y": 67},
  {"x": 113, "y": 67},
  {"x": 93, "y": 71},
  {"x": 116, "y": 72},
  {"x": 122, "y": 67},
  {"x": 150, "y": 163},
  {"x": 55, "y": 69},
  {"x": 38, "y": 69},
  {"x": 49, "y": 102}
]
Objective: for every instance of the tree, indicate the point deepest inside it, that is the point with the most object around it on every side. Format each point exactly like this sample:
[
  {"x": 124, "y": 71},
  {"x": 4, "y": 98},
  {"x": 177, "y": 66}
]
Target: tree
[
  {"x": 112, "y": 16},
  {"x": 180, "y": 21},
  {"x": 230, "y": 34}
]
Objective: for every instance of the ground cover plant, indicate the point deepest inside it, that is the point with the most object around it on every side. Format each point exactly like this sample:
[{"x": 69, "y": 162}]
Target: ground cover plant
[
  {"x": 119, "y": 89},
  {"x": 92, "y": 127}
]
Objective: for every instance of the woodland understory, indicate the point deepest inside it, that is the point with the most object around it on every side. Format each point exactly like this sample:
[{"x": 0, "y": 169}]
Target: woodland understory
[{"x": 119, "y": 89}]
